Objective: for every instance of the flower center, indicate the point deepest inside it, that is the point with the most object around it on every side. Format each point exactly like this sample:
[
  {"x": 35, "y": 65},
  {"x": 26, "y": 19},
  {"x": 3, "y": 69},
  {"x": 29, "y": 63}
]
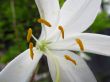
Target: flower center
[{"x": 42, "y": 45}]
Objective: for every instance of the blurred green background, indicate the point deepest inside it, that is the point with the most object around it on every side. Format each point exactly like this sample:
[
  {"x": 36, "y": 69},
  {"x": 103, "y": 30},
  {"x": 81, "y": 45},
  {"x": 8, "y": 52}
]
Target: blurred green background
[{"x": 16, "y": 16}]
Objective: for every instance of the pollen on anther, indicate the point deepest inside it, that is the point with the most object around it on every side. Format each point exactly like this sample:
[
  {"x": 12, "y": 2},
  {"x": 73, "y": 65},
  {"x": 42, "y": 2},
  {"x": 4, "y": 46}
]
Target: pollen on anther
[
  {"x": 70, "y": 59},
  {"x": 43, "y": 21},
  {"x": 29, "y": 34},
  {"x": 31, "y": 50},
  {"x": 80, "y": 43},
  {"x": 62, "y": 31}
]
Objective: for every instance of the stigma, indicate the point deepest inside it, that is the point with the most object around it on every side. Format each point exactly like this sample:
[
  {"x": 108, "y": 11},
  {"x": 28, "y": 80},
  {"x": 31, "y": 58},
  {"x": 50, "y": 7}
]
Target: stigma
[
  {"x": 62, "y": 31},
  {"x": 43, "y": 21},
  {"x": 70, "y": 59},
  {"x": 31, "y": 50},
  {"x": 80, "y": 43}
]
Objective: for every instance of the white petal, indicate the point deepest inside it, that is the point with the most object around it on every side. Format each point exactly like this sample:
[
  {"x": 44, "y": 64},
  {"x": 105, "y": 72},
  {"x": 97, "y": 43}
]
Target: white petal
[
  {"x": 77, "y": 15},
  {"x": 21, "y": 68},
  {"x": 49, "y": 10},
  {"x": 94, "y": 43},
  {"x": 68, "y": 71},
  {"x": 69, "y": 10}
]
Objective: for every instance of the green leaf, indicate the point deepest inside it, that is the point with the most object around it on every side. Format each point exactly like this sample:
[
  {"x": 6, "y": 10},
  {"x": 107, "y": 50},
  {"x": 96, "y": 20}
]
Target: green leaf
[{"x": 102, "y": 22}]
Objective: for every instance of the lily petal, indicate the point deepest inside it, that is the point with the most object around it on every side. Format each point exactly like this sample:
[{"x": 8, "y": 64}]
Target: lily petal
[
  {"x": 21, "y": 68},
  {"x": 68, "y": 71},
  {"x": 93, "y": 43},
  {"x": 96, "y": 43},
  {"x": 77, "y": 15},
  {"x": 49, "y": 10}
]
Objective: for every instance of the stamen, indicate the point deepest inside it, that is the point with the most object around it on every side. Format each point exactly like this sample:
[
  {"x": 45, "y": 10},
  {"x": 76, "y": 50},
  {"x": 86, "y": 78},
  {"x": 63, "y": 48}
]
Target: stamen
[
  {"x": 29, "y": 35},
  {"x": 62, "y": 31},
  {"x": 34, "y": 38},
  {"x": 80, "y": 43},
  {"x": 44, "y": 22},
  {"x": 31, "y": 50},
  {"x": 70, "y": 59}
]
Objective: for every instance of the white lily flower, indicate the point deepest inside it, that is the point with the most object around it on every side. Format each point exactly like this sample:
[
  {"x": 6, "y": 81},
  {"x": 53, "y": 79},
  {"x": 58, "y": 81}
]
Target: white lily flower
[{"x": 61, "y": 32}]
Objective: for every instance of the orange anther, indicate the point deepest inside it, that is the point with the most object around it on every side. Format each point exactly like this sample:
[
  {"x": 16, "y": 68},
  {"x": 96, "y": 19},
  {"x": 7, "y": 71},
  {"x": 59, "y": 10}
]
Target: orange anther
[
  {"x": 62, "y": 31},
  {"x": 80, "y": 43},
  {"x": 70, "y": 59},
  {"x": 29, "y": 34},
  {"x": 31, "y": 50},
  {"x": 44, "y": 22}
]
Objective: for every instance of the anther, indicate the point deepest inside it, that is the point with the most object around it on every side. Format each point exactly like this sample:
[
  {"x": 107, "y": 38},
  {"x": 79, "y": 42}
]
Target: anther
[
  {"x": 43, "y": 21},
  {"x": 29, "y": 35},
  {"x": 80, "y": 43},
  {"x": 31, "y": 50},
  {"x": 70, "y": 59},
  {"x": 62, "y": 31}
]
